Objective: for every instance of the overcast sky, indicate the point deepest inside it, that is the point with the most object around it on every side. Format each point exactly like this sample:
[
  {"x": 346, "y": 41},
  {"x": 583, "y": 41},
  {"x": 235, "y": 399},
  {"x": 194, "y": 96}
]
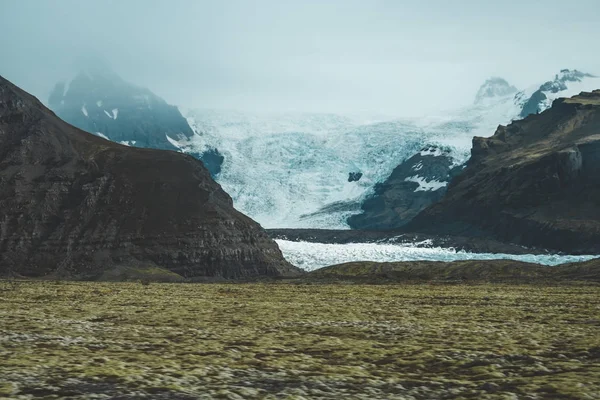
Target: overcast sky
[{"x": 397, "y": 57}]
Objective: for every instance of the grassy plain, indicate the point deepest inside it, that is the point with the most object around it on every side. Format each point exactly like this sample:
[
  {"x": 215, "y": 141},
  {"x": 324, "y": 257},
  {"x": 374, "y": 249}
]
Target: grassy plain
[{"x": 283, "y": 340}]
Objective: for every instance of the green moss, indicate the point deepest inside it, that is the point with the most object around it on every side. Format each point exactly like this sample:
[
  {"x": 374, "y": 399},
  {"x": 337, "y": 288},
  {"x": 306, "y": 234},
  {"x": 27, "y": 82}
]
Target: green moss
[
  {"x": 286, "y": 340},
  {"x": 6, "y": 388},
  {"x": 141, "y": 273}
]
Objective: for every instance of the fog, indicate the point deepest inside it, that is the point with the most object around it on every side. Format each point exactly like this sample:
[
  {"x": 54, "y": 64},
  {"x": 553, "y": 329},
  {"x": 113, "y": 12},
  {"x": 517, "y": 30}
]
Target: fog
[{"x": 403, "y": 58}]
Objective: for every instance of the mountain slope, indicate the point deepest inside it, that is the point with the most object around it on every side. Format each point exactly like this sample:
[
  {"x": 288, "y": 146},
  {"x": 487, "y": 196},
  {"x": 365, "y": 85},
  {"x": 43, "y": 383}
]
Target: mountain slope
[
  {"x": 413, "y": 185},
  {"x": 535, "y": 182},
  {"x": 75, "y": 204},
  {"x": 99, "y": 101}
]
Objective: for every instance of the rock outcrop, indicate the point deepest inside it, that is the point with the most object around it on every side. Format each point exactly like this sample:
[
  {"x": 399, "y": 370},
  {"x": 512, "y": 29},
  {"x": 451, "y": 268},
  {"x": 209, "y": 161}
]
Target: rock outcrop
[
  {"x": 413, "y": 185},
  {"x": 99, "y": 101},
  {"x": 535, "y": 182},
  {"x": 75, "y": 204}
]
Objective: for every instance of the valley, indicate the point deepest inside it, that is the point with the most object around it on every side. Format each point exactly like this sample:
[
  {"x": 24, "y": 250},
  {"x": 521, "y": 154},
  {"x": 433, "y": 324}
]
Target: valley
[{"x": 299, "y": 200}]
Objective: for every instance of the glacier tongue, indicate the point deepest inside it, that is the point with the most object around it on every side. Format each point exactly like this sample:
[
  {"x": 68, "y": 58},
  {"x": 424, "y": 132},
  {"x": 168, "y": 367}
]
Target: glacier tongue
[
  {"x": 292, "y": 171},
  {"x": 282, "y": 179}
]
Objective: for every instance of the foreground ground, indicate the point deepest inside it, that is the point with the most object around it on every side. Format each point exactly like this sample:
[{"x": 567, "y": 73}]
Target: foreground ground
[{"x": 188, "y": 341}]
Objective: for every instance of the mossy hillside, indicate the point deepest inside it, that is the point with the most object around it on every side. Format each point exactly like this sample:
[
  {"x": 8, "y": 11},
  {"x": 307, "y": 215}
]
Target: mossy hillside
[
  {"x": 183, "y": 341},
  {"x": 465, "y": 271}
]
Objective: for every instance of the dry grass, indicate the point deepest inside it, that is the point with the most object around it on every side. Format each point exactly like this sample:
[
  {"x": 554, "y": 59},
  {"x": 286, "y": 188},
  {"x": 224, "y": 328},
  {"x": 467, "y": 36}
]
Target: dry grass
[{"x": 188, "y": 341}]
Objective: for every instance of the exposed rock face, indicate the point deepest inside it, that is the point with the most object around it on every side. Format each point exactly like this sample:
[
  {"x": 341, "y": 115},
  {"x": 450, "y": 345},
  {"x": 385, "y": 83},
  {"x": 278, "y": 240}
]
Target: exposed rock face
[
  {"x": 535, "y": 182},
  {"x": 75, "y": 204},
  {"x": 413, "y": 185},
  {"x": 99, "y": 101},
  {"x": 354, "y": 176}
]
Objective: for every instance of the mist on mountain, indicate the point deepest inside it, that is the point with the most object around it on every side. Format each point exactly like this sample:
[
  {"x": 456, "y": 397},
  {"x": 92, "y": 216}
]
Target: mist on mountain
[{"x": 401, "y": 58}]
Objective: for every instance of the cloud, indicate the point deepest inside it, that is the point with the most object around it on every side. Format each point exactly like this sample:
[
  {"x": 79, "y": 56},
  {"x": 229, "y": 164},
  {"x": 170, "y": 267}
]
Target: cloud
[{"x": 395, "y": 57}]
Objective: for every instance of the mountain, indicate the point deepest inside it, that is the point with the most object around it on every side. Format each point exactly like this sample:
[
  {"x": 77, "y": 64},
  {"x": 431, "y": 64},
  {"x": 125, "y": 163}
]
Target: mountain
[
  {"x": 493, "y": 88},
  {"x": 75, "y": 204},
  {"x": 392, "y": 204},
  {"x": 567, "y": 83},
  {"x": 535, "y": 182},
  {"x": 413, "y": 185},
  {"x": 310, "y": 170},
  {"x": 97, "y": 100}
]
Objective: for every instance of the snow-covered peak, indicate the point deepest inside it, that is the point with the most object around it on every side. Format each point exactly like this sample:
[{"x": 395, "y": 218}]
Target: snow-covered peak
[
  {"x": 574, "y": 75},
  {"x": 564, "y": 79},
  {"x": 566, "y": 83},
  {"x": 493, "y": 88}
]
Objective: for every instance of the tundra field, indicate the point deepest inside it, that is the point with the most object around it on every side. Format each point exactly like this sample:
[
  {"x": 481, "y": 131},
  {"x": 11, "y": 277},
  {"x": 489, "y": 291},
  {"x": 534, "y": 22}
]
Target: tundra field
[{"x": 293, "y": 341}]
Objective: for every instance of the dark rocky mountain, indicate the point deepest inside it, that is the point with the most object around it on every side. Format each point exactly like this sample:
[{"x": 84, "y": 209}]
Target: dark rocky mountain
[
  {"x": 78, "y": 205},
  {"x": 413, "y": 185},
  {"x": 99, "y": 101},
  {"x": 535, "y": 182}
]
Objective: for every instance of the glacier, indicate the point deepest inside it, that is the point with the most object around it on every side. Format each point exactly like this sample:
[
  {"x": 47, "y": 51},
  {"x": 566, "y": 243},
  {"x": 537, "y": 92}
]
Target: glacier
[
  {"x": 291, "y": 170},
  {"x": 310, "y": 256}
]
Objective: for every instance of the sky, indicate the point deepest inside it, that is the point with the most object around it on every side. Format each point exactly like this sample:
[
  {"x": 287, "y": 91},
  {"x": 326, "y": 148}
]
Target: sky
[{"x": 393, "y": 57}]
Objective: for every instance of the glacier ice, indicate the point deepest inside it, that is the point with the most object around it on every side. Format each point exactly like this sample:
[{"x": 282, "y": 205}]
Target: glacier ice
[{"x": 284, "y": 170}]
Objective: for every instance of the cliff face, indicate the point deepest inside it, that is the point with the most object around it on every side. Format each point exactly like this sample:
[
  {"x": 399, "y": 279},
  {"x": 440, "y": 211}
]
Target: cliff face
[
  {"x": 534, "y": 182},
  {"x": 76, "y": 204},
  {"x": 413, "y": 185}
]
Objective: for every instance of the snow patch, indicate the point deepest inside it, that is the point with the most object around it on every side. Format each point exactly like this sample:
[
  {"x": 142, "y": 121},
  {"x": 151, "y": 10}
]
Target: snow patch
[
  {"x": 101, "y": 135},
  {"x": 84, "y": 110},
  {"x": 432, "y": 151},
  {"x": 108, "y": 114},
  {"x": 115, "y": 113},
  {"x": 573, "y": 89},
  {"x": 124, "y": 142},
  {"x": 99, "y": 103},
  {"x": 424, "y": 185},
  {"x": 418, "y": 166},
  {"x": 66, "y": 88},
  {"x": 174, "y": 142}
]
